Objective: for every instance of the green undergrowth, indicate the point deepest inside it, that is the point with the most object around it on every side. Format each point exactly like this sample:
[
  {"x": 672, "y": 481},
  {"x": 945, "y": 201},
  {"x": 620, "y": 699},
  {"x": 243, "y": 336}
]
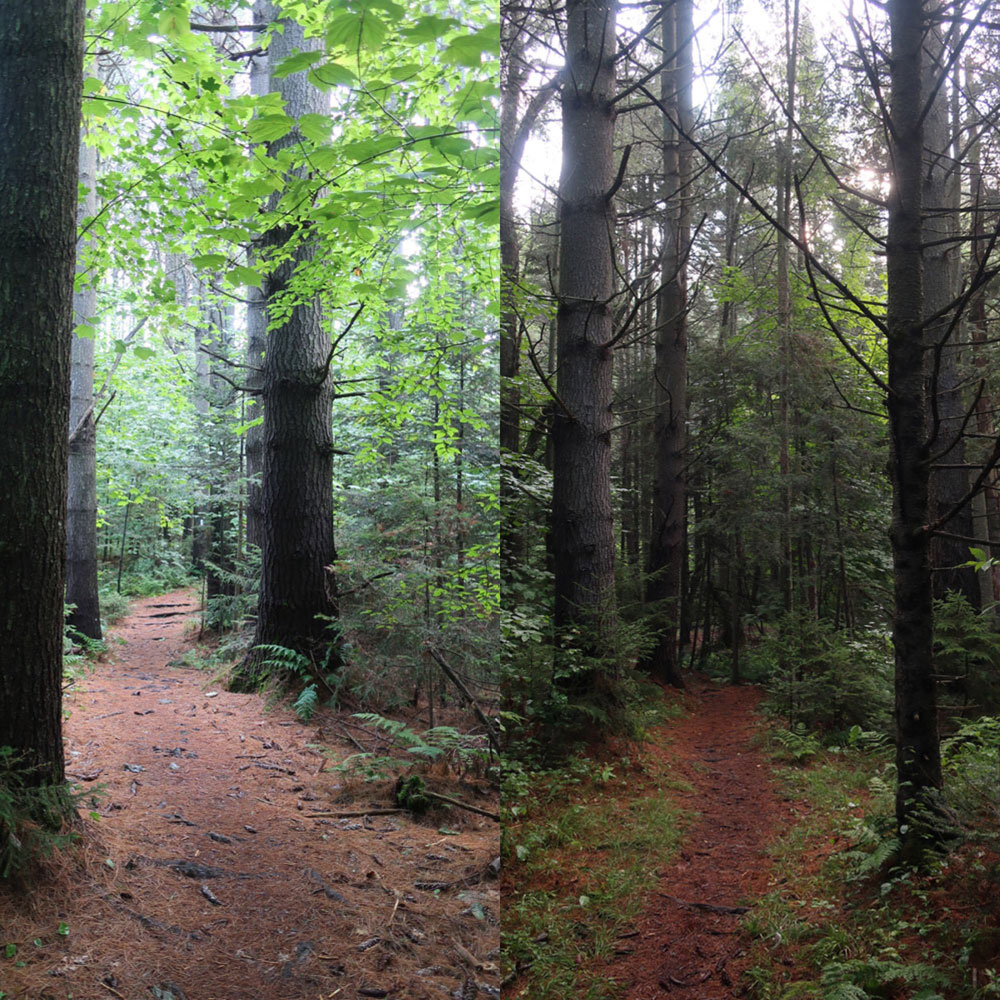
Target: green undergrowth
[
  {"x": 581, "y": 845},
  {"x": 840, "y": 922}
]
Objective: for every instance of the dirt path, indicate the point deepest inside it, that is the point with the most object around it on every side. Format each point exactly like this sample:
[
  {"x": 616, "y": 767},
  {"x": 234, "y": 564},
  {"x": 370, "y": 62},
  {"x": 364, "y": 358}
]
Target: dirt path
[
  {"x": 687, "y": 943},
  {"x": 205, "y": 876}
]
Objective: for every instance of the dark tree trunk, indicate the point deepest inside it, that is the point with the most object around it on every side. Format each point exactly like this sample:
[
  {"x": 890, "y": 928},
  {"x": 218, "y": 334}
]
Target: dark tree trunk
[
  {"x": 297, "y": 551},
  {"x": 666, "y": 545},
  {"x": 918, "y": 759},
  {"x": 785, "y": 162},
  {"x": 41, "y": 78},
  {"x": 260, "y": 83},
  {"x": 81, "y": 508},
  {"x": 582, "y": 531},
  {"x": 514, "y": 132},
  {"x": 946, "y": 409},
  {"x": 515, "y": 76}
]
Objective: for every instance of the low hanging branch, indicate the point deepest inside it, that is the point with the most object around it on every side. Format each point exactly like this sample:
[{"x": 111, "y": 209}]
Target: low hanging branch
[
  {"x": 75, "y": 433},
  {"x": 491, "y": 733}
]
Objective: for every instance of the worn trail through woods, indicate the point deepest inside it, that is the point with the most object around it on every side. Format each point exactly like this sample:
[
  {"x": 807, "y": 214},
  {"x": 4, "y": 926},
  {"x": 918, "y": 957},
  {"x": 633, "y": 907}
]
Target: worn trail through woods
[
  {"x": 687, "y": 942},
  {"x": 207, "y": 875}
]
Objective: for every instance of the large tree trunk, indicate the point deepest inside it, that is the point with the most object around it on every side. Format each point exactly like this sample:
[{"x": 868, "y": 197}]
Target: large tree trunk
[
  {"x": 785, "y": 164},
  {"x": 918, "y": 759},
  {"x": 260, "y": 84},
  {"x": 666, "y": 546},
  {"x": 41, "y": 78},
  {"x": 297, "y": 551},
  {"x": 946, "y": 410},
  {"x": 81, "y": 511},
  {"x": 582, "y": 531}
]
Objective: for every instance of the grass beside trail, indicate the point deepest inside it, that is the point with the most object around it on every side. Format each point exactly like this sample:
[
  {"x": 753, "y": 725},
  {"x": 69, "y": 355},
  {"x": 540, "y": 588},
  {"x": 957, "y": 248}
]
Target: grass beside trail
[
  {"x": 840, "y": 923},
  {"x": 582, "y": 844}
]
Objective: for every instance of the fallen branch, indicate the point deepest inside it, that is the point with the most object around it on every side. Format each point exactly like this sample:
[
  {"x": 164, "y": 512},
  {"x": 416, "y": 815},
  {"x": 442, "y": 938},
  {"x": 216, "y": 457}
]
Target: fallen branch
[
  {"x": 461, "y": 805},
  {"x": 491, "y": 733},
  {"x": 349, "y": 815},
  {"x": 707, "y": 907}
]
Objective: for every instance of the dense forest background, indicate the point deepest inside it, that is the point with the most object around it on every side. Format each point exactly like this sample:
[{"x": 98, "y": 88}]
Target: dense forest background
[{"x": 748, "y": 412}]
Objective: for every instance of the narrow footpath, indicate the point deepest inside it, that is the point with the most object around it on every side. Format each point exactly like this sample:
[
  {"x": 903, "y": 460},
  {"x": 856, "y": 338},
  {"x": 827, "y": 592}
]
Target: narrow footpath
[
  {"x": 228, "y": 859},
  {"x": 687, "y": 943}
]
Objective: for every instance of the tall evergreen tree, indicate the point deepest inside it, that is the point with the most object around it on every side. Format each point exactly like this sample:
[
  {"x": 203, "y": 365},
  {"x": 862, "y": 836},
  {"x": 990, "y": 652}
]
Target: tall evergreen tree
[
  {"x": 667, "y": 542},
  {"x": 41, "y": 79},
  {"x": 81, "y": 512},
  {"x": 296, "y": 526},
  {"x": 582, "y": 530}
]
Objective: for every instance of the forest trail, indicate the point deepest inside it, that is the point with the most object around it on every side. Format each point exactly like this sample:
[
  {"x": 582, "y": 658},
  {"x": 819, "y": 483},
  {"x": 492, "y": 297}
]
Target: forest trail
[
  {"x": 687, "y": 943},
  {"x": 205, "y": 876}
]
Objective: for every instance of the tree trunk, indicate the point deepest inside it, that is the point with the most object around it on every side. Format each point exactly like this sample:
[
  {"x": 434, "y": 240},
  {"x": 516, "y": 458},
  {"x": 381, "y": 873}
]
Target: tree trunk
[
  {"x": 946, "y": 410},
  {"x": 41, "y": 79},
  {"x": 666, "y": 548},
  {"x": 297, "y": 552},
  {"x": 81, "y": 508},
  {"x": 918, "y": 759},
  {"x": 260, "y": 84},
  {"x": 582, "y": 530}
]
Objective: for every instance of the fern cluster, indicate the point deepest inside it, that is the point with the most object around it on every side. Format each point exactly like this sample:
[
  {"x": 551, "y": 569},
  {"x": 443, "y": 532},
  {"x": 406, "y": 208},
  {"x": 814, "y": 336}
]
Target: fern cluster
[
  {"x": 870, "y": 978},
  {"x": 32, "y": 818}
]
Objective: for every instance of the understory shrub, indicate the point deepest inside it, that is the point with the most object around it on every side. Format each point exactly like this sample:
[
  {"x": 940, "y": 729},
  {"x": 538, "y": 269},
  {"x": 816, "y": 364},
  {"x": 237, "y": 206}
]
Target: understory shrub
[
  {"x": 971, "y": 763},
  {"x": 823, "y": 679},
  {"x": 32, "y": 818}
]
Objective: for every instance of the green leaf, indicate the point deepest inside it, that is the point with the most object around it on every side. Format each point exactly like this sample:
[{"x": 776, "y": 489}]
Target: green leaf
[
  {"x": 209, "y": 261},
  {"x": 522, "y": 852},
  {"x": 324, "y": 159},
  {"x": 331, "y": 74},
  {"x": 86, "y": 330},
  {"x": 356, "y": 31},
  {"x": 450, "y": 144},
  {"x": 467, "y": 50},
  {"x": 295, "y": 64},
  {"x": 92, "y": 85},
  {"x": 240, "y": 275},
  {"x": 428, "y": 28},
  {"x": 174, "y": 23},
  {"x": 315, "y": 127},
  {"x": 269, "y": 128},
  {"x": 143, "y": 353},
  {"x": 10, "y": 951},
  {"x": 63, "y": 929}
]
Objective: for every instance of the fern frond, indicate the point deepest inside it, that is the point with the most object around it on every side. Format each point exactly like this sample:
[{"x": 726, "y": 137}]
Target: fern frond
[{"x": 306, "y": 703}]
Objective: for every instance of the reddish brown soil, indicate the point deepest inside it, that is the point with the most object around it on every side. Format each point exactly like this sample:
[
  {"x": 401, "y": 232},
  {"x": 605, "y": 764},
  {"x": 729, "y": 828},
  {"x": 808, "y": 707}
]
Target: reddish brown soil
[
  {"x": 285, "y": 906},
  {"x": 682, "y": 946}
]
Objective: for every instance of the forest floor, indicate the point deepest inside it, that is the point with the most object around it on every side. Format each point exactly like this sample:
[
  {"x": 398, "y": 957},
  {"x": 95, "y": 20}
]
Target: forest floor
[
  {"x": 676, "y": 930},
  {"x": 707, "y": 861},
  {"x": 687, "y": 942},
  {"x": 227, "y": 859}
]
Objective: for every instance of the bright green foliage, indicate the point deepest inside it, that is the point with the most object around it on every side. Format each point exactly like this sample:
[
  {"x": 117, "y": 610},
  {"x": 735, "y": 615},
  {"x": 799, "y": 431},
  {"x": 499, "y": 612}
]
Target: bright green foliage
[{"x": 396, "y": 189}]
